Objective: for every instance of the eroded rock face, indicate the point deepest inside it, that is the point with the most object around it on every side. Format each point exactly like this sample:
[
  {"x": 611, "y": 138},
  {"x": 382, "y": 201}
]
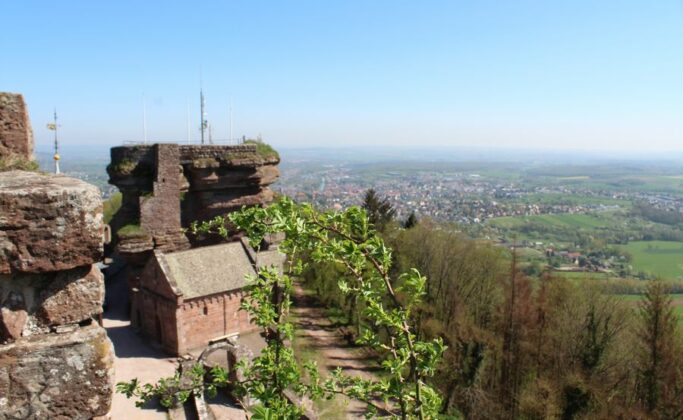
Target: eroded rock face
[
  {"x": 73, "y": 296},
  {"x": 48, "y": 223},
  {"x": 16, "y": 136},
  {"x": 209, "y": 204},
  {"x": 57, "y": 376},
  {"x": 169, "y": 186},
  {"x": 208, "y": 179},
  {"x": 33, "y": 303}
]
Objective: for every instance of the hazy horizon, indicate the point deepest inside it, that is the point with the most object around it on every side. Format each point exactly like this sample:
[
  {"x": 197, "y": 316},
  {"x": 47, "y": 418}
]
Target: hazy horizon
[
  {"x": 372, "y": 153},
  {"x": 546, "y": 76}
]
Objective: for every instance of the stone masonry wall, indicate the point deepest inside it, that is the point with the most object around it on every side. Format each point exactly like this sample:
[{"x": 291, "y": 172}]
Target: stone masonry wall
[
  {"x": 156, "y": 319},
  {"x": 55, "y": 361},
  {"x": 160, "y": 211},
  {"x": 204, "y": 319},
  {"x": 189, "y": 325}
]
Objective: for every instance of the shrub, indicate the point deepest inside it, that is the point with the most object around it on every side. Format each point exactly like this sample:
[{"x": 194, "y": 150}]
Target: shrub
[
  {"x": 111, "y": 206},
  {"x": 264, "y": 150},
  {"x": 17, "y": 163}
]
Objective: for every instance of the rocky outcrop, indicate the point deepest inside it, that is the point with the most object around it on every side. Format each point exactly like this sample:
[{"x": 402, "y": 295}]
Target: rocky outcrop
[
  {"x": 195, "y": 182},
  {"x": 48, "y": 223},
  {"x": 55, "y": 361},
  {"x": 64, "y": 376},
  {"x": 16, "y": 136},
  {"x": 166, "y": 187},
  {"x": 35, "y": 303},
  {"x": 220, "y": 180}
]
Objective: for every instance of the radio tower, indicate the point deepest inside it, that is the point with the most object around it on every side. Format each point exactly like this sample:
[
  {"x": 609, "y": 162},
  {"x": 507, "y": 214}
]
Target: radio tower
[
  {"x": 203, "y": 113},
  {"x": 53, "y": 126}
]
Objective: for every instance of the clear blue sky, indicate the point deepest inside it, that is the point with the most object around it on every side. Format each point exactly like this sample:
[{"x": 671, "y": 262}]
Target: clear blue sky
[{"x": 551, "y": 74}]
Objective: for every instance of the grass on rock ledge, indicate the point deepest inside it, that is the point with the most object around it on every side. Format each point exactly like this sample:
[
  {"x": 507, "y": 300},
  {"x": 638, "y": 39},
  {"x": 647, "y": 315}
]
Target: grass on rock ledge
[
  {"x": 17, "y": 163},
  {"x": 264, "y": 150},
  {"x": 132, "y": 231}
]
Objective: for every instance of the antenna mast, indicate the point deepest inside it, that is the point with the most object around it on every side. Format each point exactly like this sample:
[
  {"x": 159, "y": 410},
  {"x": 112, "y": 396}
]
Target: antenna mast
[
  {"x": 144, "y": 119},
  {"x": 53, "y": 126},
  {"x": 230, "y": 119},
  {"x": 203, "y": 113},
  {"x": 189, "y": 134}
]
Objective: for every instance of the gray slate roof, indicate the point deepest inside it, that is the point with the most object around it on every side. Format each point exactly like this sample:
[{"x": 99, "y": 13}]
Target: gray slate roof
[
  {"x": 207, "y": 270},
  {"x": 269, "y": 258},
  {"x": 265, "y": 259}
]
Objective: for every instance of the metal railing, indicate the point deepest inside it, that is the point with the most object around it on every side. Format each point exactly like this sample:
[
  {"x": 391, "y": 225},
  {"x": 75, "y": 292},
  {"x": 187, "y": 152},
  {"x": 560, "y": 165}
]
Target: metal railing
[{"x": 217, "y": 142}]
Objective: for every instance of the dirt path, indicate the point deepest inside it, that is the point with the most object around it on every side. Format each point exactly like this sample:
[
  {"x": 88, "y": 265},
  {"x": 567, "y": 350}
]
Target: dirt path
[{"x": 319, "y": 339}]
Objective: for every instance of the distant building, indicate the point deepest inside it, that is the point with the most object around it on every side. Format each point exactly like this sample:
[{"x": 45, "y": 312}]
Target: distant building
[{"x": 187, "y": 299}]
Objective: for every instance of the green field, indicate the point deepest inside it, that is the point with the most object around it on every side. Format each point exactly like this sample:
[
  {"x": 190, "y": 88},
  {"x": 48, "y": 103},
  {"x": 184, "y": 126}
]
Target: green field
[
  {"x": 573, "y": 221},
  {"x": 659, "y": 258},
  {"x": 677, "y": 302},
  {"x": 580, "y": 275},
  {"x": 571, "y": 199}
]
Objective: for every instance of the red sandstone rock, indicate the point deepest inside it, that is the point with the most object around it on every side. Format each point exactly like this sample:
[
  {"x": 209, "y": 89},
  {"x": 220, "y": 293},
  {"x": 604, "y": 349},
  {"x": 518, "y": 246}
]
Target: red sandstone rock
[
  {"x": 13, "y": 315},
  {"x": 57, "y": 376},
  {"x": 48, "y": 223},
  {"x": 16, "y": 136},
  {"x": 225, "y": 178},
  {"x": 73, "y": 296},
  {"x": 12, "y": 323},
  {"x": 221, "y": 177},
  {"x": 32, "y": 303}
]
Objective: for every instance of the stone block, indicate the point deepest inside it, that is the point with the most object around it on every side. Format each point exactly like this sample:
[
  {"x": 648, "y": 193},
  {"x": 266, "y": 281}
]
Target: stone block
[
  {"x": 57, "y": 376},
  {"x": 48, "y": 223},
  {"x": 73, "y": 296},
  {"x": 35, "y": 303}
]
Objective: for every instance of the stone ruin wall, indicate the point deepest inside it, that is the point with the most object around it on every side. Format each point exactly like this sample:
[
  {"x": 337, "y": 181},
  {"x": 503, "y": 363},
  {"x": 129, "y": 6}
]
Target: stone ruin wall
[
  {"x": 209, "y": 180},
  {"x": 55, "y": 361},
  {"x": 159, "y": 210}
]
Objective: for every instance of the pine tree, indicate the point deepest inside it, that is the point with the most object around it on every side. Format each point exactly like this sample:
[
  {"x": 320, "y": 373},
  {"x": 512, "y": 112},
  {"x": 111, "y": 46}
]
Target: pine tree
[
  {"x": 411, "y": 221},
  {"x": 379, "y": 210},
  {"x": 659, "y": 375}
]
